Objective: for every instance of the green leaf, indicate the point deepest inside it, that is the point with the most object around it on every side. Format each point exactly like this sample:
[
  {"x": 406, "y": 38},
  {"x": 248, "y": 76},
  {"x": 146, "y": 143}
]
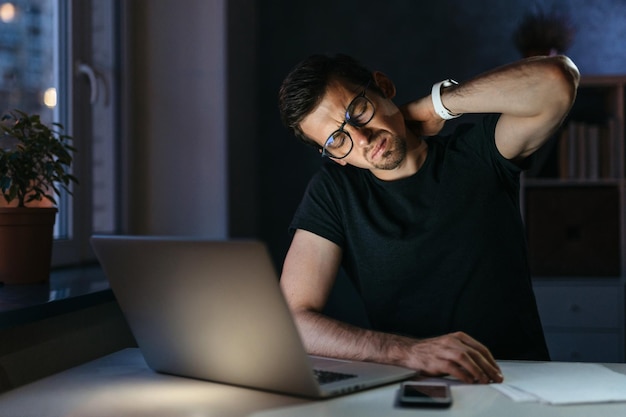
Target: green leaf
[{"x": 41, "y": 157}]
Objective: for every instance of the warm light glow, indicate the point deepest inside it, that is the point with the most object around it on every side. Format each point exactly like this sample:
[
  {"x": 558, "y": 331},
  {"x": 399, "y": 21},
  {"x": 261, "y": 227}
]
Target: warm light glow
[
  {"x": 50, "y": 97},
  {"x": 7, "y": 12},
  {"x": 162, "y": 396}
]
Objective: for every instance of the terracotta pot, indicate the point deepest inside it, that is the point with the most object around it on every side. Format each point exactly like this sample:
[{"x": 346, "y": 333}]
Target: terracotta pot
[{"x": 26, "y": 244}]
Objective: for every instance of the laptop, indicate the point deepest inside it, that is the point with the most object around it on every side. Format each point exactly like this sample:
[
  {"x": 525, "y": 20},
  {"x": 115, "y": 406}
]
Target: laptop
[{"x": 213, "y": 310}]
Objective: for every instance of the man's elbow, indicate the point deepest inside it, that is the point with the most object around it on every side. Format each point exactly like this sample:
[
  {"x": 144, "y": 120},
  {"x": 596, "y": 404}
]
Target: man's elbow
[{"x": 565, "y": 77}]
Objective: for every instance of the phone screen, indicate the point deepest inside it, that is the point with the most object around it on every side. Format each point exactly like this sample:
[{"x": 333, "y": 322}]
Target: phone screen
[
  {"x": 425, "y": 391},
  {"x": 425, "y": 394}
]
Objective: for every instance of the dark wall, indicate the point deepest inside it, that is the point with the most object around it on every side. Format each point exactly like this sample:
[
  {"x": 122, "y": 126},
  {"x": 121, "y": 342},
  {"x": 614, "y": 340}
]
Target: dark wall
[{"x": 416, "y": 43}]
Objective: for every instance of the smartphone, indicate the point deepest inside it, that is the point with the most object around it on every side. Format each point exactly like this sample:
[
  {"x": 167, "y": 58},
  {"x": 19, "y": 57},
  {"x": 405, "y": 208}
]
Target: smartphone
[{"x": 424, "y": 394}]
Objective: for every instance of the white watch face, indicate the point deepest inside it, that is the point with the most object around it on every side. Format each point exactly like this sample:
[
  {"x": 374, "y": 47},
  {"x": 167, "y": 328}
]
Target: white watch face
[{"x": 449, "y": 83}]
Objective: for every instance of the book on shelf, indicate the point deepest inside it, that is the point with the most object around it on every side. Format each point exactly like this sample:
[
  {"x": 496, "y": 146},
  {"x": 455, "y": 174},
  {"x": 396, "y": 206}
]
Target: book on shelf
[{"x": 589, "y": 151}]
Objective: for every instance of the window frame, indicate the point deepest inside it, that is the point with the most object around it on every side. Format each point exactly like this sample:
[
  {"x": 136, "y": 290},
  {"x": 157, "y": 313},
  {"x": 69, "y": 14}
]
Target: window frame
[{"x": 83, "y": 116}]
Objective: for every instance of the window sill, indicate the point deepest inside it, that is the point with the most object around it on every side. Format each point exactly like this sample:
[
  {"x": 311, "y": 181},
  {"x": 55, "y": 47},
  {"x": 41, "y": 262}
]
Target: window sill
[{"x": 69, "y": 289}]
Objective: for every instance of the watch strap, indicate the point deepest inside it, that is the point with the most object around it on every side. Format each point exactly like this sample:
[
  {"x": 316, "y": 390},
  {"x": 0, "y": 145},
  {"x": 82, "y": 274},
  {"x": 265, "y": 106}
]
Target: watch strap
[{"x": 436, "y": 98}]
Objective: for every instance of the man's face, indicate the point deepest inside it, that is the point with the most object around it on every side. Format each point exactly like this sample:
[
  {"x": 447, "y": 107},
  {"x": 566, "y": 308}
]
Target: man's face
[{"x": 380, "y": 145}]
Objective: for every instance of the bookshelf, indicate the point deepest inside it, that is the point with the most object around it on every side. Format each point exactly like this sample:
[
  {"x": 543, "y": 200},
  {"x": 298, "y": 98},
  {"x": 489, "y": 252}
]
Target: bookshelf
[
  {"x": 574, "y": 204},
  {"x": 573, "y": 193}
]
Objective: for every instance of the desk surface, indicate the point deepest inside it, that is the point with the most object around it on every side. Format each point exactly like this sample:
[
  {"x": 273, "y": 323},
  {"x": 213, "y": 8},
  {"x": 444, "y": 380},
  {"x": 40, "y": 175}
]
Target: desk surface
[{"x": 122, "y": 385}]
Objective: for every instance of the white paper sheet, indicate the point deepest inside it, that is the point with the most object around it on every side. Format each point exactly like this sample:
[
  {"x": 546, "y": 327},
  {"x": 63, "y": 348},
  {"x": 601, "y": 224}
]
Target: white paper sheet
[{"x": 561, "y": 382}]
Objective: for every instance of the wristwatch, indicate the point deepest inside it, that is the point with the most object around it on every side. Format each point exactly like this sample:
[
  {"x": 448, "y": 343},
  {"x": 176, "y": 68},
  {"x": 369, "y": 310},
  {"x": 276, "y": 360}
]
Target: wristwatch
[{"x": 436, "y": 97}]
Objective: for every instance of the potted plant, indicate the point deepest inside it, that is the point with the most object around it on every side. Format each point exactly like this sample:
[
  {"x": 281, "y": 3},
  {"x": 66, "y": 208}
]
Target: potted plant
[{"x": 34, "y": 167}]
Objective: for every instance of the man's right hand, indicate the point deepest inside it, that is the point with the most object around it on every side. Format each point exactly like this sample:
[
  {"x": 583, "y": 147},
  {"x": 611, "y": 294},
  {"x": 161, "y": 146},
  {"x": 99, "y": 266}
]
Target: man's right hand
[
  {"x": 454, "y": 354},
  {"x": 421, "y": 114}
]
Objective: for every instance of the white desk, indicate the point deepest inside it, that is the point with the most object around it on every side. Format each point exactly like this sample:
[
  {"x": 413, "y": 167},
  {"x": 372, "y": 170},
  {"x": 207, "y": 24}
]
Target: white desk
[{"x": 122, "y": 385}]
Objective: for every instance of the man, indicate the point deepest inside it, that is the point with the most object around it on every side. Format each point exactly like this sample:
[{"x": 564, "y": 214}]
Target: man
[{"x": 428, "y": 228}]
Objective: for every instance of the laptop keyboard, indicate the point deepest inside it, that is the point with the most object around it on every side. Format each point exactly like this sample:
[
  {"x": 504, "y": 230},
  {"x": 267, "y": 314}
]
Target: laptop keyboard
[{"x": 326, "y": 377}]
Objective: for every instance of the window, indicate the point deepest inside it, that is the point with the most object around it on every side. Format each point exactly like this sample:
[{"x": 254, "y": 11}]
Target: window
[{"x": 58, "y": 58}]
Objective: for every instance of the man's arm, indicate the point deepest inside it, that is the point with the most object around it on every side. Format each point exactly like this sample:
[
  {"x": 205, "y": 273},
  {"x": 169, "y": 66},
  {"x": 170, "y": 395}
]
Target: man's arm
[
  {"x": 308, "y": 275},
  {"x": 533, "y": 95}
]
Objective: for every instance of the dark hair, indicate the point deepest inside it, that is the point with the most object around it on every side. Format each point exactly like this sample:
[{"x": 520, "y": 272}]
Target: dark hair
[{"x": 304, "y": 87}]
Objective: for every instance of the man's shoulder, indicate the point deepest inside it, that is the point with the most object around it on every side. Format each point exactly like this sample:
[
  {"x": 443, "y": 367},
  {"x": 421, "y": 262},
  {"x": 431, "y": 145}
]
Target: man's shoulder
[
  {"x": 472, "y": 136},
  {"x": 331, "y": 170},
  {"x": 481, "y": 125},
  {"x": 338, "y": 182}
]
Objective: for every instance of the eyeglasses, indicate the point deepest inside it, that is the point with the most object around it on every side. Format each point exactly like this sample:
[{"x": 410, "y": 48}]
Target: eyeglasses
[{"x": 359, "y": 113}]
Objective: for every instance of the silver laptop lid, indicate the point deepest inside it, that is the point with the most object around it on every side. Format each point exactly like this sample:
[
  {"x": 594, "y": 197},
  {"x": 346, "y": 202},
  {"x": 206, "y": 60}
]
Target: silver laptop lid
[{"x": 207, "y": 309}]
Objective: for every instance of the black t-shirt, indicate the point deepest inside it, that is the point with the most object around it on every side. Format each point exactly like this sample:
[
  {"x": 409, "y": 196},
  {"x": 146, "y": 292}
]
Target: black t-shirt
[{"x": 443, "y": 250}]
